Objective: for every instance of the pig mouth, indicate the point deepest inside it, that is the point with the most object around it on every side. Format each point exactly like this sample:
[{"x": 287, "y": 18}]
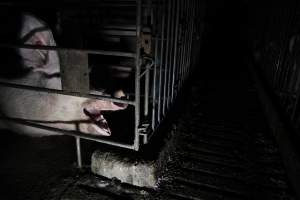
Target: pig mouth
[{"x": 99, "y": 123}]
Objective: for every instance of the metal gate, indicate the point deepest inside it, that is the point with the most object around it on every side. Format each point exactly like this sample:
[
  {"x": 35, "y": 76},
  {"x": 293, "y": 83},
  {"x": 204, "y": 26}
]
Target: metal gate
[{"x": 159, "y": 36}]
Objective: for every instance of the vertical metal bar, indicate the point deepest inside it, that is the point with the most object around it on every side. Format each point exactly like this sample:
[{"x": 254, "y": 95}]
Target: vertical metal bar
[
  {"x": 154, "y": 69},
  {"x": 188, "y": 44},
  {"x": 192, "y": 21},
  {"x": 147, "y": 82},
  {"x": 166, "y": 67},
  {"x": 147, "y": 75},
  {"x": 173, "y": 9},
  {"x": 137, "y": 72},
  {"x": 183, "y": 44},
  {"x": 161, "y": 62},
  {"x": 175, "y": 50},
  {"x": 78, "y": 151}
]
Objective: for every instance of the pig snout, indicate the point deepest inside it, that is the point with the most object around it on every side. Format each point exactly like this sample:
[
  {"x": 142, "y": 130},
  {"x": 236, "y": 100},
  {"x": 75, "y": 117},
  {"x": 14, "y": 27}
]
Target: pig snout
[{"x": 97, "y": 124}]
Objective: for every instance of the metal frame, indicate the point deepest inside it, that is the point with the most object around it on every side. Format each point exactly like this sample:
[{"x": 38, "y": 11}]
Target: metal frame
[
  {"x": 162, "y": 69},
  {"x": 279, "y": 60}
]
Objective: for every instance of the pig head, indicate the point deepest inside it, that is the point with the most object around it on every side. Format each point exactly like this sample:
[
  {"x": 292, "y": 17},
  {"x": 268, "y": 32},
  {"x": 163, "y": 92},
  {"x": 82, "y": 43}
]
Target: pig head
[{"x": 42, "y": 69}]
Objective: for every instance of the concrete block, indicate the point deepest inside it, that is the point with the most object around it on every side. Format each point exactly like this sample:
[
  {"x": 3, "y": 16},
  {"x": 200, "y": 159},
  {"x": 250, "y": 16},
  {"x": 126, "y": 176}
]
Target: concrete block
[{"x": 114, "y": 165}]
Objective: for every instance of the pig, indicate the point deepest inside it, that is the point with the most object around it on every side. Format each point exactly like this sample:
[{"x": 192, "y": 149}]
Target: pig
[{"x": 41, "y": 69}]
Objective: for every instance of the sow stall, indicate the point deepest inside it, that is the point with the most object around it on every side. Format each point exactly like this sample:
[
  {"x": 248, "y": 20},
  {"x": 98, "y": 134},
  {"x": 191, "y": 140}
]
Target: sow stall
[{"x": 143, "y": 47}]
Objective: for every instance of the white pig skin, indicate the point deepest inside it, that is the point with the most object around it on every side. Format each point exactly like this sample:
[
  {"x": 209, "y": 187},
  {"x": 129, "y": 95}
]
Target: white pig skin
[{"x": 59, "y": 111}]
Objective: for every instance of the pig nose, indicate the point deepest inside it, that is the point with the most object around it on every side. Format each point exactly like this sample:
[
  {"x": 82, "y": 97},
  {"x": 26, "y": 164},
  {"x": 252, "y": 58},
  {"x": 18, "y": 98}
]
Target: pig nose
[{"x": 100, "y": 124}]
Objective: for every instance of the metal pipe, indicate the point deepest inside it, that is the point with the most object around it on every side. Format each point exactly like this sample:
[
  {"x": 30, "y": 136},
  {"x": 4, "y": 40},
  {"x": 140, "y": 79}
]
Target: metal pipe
[
  {"x": 146, "y": 98},
  {"x": 154, "y": 84},
  {"x": 66, "y": 132},
  {"x": 137, "y": 72},
  {"x": 66, "y": 5},
  {"x": 175, "y": 50},
  {"x": 191, "y": 38},
  {"x": 173, "y": 8},
  {"x": 186, "y": 42},
  {"x": 166, "y": 57},
  {"x": 78, "y": 151},
  {"x": 148, "y": 67},
  {"x": 61, "y": 92},
  {"x": 183, "y": 43},
  {"x": 161, "y": 63},
  {"x": 54, "y": 48},
  {"x": 189, "y": 33}
]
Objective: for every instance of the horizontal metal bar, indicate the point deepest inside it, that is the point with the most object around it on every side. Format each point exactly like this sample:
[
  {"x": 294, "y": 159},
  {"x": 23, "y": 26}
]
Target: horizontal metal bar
[
  {"x": 131, "y": 33},
  {"x": 54, "y": 48},
  {"x": 71, "y": 5},
  {"x": 120, "y": 27},
  {"x": 66, "y": 132},
  {"x": 76, "y": 94}
]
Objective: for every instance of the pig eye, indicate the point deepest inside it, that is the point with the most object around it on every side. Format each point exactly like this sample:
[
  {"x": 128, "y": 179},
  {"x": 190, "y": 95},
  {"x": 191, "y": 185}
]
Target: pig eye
[{"x": 39, "y": 43}]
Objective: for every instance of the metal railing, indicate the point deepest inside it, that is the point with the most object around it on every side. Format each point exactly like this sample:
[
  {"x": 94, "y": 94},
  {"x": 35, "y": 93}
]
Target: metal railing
[
  {"x": 164, "y": 32},
  {"x": 279, "y": 55}
]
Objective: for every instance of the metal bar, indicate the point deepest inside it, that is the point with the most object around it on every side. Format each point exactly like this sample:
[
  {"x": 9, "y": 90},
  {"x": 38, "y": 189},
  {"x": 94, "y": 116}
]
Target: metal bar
[
  {"x": 53, "y": 48},
  {"x": 78, "y": 151},
  {"x": 155, "y": 75},
  {"x": 187, "y": 42},
  {"x": 148, "y": 68},
  {"x": 161, "y": 63},
  {"x": 178, "y": 49},
  {"x": 191, "y": 38},
  {"x": 171, "y": 53},
  {"x": 154, "y": 84},
  {"x": 68, "y": 5},
  {"x": 66, "y": 132},
  {"x": 166, "y": 58},
  {"x": 183, "y": 43},
  {"x": 137, "y": 72},
  {"x": 146, "y": 99},
  {"x": 61, "y": 92},
  {"x": 175, "y": 50}
]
